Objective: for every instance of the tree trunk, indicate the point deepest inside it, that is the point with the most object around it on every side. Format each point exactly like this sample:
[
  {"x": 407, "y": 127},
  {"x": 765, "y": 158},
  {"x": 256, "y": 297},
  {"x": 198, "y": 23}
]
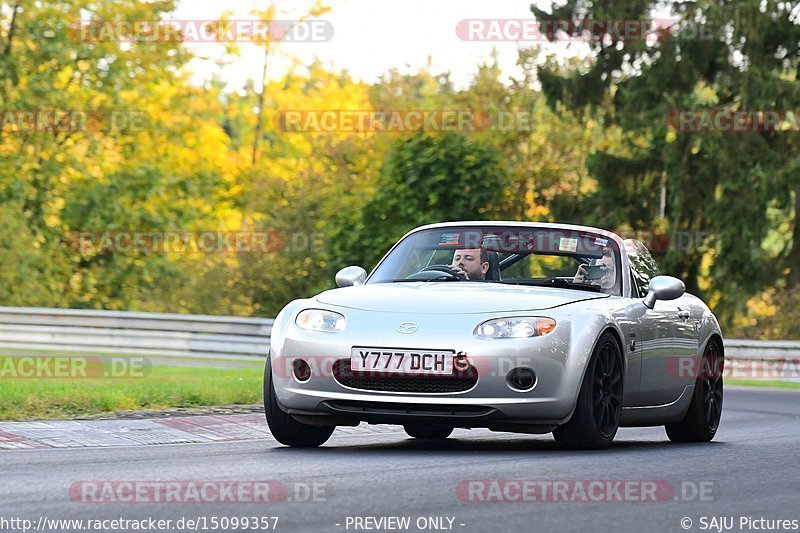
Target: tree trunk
[
  {"x": 793, "y": 259},
  {"x": 11, "y": 29},
  {"x": 260, "y": 117}
]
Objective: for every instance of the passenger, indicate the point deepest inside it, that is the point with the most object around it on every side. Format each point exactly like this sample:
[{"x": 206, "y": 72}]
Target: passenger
[{"x": 609, "y": 279}]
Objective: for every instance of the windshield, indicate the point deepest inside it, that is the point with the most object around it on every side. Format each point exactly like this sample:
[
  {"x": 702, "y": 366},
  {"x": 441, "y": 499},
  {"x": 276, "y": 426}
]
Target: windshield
[{"x": 510, "y": 255}]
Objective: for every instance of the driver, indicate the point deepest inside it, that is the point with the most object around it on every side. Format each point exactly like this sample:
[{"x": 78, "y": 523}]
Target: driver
[
  {"x": 473, "y": 263},
  {"x": 609, "y": 278}
]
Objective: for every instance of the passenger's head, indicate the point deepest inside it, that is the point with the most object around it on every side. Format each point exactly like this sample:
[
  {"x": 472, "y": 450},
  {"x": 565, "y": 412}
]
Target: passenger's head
[{"x": 609, "y": 279}]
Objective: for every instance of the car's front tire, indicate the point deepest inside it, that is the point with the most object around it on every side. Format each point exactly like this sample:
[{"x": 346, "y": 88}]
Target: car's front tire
[
  {"x": 599, "y": 409},
  {"x": 705, "y": 409},
  {"x": 422, "y": 430},
  {"x": 285, "y": 429}
]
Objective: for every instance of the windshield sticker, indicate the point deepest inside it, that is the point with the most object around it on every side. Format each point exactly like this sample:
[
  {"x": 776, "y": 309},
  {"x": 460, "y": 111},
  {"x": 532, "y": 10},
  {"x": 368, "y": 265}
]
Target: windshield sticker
[
  {"x": 448, "y": 239},
  {"x": 567, "y": 245},
  {"x": 601, "y": 242}
]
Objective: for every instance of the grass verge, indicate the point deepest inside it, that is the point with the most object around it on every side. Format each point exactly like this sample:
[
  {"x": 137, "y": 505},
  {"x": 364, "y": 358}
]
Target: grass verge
[
  {"x": 764, "y": 383},
  {"x": 162, "y": 387}
]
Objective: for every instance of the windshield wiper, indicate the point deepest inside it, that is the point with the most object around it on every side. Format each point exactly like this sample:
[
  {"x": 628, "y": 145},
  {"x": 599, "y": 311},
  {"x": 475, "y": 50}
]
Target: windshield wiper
[
  {"x": 561, "y": 284},
  {"x": 406, "y": 280}
]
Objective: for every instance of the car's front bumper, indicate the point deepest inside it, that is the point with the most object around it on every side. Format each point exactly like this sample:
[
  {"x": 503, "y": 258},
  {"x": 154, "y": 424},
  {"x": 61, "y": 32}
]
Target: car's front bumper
[{"x": 490, "y": 402}]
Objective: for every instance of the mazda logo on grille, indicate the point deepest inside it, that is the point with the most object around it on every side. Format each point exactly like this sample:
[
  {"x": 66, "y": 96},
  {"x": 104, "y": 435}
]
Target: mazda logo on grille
[{"x": 408, "y": 327}]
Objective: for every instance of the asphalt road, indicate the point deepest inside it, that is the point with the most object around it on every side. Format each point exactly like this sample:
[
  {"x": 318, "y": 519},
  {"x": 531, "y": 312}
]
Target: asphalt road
[{"x": 751, "y": 470}]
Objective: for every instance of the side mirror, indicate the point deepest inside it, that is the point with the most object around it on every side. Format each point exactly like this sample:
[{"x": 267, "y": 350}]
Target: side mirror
[
  {"x": 663, "y": 288},
  {"x": 351, "y": 276}
]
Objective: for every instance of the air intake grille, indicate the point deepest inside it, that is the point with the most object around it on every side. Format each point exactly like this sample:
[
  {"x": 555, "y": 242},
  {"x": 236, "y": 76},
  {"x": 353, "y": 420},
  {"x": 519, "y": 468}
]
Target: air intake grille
[{"x": 458, "y": 381}]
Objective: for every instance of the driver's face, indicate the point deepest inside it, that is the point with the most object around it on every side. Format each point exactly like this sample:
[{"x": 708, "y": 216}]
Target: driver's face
[{"x": 469, "y": 260}]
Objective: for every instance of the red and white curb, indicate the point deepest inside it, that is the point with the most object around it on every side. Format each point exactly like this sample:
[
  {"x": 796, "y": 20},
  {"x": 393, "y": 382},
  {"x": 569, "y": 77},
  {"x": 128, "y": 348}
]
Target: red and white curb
[
  {"x": 137, "y": 432},
  {"x": 90, "y": 433}
]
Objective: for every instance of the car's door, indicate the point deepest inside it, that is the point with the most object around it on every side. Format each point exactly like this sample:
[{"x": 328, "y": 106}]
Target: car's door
[
  {"x": 682, "y": 368},
  {"x": 668, "y": 361},
  {"x": 629, "y": 320},
  {"x": 666, "y": 336}
]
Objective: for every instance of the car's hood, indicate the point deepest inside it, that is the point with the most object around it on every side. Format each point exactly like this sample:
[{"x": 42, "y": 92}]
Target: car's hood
[{"x": 452, "y": 297}]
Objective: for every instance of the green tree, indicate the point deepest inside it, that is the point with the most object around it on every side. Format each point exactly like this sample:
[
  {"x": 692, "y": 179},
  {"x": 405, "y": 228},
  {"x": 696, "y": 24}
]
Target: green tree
[
  {"x": 32, "y": 269},
  {"x": 426, "y": 178},
  {"x": 166, "y": 169},
  {"x": 718, "y": 56}
]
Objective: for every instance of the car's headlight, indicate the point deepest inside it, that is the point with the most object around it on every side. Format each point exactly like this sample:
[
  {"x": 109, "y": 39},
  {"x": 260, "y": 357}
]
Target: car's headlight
[
  {"x": 320, "y": 320},
  {"x": 515, "y": 328}
]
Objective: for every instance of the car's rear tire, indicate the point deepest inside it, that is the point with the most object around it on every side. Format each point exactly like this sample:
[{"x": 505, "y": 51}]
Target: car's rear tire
[
  {"x": 422, "y": 430},
  {"x": 599, "y": 409},
  {"x": 705, "y": 409},
  {"x": 285, "y": 429}
]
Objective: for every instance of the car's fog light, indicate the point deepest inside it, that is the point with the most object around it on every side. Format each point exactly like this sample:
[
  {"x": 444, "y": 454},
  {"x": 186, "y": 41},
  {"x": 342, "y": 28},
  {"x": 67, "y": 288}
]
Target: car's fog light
[
  {"x": 521, "y": 378},
  {"x": 301, "y": 370}
]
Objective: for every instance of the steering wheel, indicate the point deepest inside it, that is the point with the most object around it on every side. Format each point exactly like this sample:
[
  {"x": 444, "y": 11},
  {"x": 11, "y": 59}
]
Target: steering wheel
[{"x": 430, "y": 273}]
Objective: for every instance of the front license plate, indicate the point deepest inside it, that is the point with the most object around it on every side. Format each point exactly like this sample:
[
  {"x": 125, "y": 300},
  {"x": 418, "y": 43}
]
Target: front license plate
[{"x": 433, "y": 362}]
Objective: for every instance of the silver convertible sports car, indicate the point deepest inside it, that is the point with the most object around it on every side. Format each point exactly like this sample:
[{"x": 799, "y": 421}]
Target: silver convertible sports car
[{"x": 510, "y": 326}]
